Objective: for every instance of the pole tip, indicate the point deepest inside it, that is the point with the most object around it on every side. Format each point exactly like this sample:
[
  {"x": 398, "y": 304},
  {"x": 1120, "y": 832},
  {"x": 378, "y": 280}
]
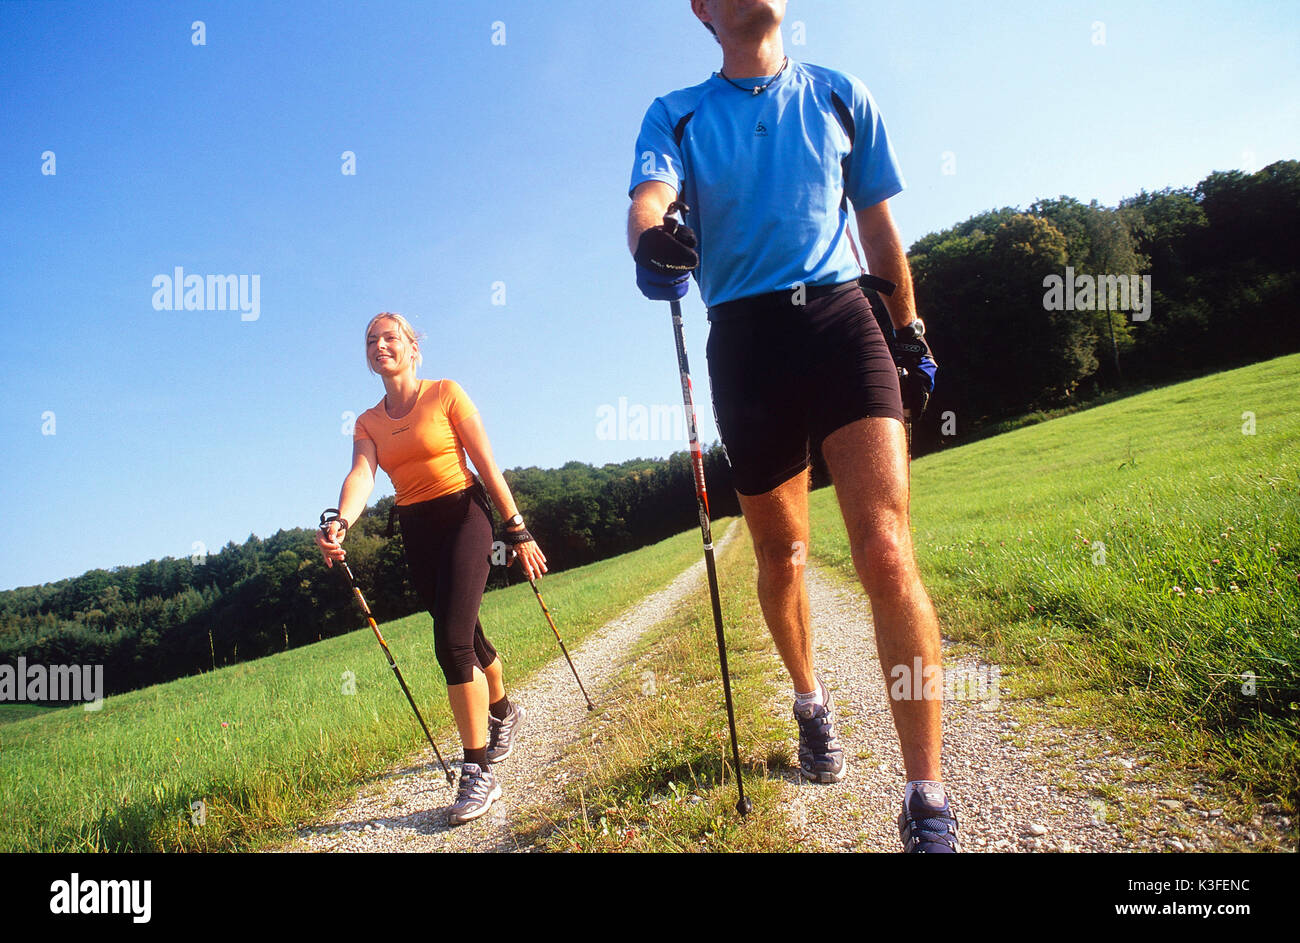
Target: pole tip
[
  {"x": 744, "y": 807},
  {"x": 451, "y": 778}
]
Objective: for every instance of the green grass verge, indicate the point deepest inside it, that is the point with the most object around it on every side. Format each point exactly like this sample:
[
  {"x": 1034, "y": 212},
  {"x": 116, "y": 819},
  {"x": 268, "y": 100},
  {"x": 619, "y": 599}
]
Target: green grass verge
[
  {"x": 270, "y": 743},
  {"x": 1140, "y": 561},
  {"x": 11, "y": 712},
  {"x": 653, "y": 772}
]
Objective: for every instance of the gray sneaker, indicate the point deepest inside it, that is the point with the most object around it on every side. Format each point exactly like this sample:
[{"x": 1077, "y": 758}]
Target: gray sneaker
[
  {"x": 821, "y": 758},
  {"x": 501, "y": 733},
  {"x": 477, "y": 791},
  {"x": 928, "y": 825}
]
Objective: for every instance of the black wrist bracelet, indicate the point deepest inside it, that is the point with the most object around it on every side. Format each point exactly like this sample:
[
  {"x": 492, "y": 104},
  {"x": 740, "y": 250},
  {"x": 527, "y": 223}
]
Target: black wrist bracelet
[{"x": 520, "y": 536}]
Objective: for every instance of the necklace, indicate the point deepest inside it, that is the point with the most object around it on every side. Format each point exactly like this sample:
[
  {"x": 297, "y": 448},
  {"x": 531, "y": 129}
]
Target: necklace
[{"x": 757, "y": 88}]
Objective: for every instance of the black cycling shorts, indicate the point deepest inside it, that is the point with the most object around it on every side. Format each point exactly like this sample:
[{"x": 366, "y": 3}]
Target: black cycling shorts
[{"x": 785, "y": 376}]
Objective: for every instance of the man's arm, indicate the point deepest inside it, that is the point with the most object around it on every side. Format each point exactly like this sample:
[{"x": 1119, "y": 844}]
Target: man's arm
[
  {"x": 887, "y": 259},
  {"x": 649, "y": 203}
]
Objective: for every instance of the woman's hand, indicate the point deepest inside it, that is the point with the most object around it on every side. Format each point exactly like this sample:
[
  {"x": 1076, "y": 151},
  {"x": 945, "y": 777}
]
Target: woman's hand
[
  {"x": 530, "y": 558},
  {"x": 329, "y": 540}
]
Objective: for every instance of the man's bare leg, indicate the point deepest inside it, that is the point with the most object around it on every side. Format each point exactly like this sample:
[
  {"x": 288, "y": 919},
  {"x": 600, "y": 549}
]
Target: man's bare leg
[
  {"x": 868, "y": 463},
  {"x": 778, "y": 525}
]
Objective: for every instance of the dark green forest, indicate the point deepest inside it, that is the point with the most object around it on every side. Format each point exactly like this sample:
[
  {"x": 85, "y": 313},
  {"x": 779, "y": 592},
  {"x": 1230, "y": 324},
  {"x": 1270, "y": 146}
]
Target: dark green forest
[
  {"x": 173, "y": 617},
  {"x": 1222, "y": 260},
  {"x": 1224, "y": 285}
]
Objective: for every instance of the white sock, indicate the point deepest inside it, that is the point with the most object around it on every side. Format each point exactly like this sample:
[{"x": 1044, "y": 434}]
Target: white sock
[
  {"x": 931, "y": 791},
  {"x": 814, "y": 698}
]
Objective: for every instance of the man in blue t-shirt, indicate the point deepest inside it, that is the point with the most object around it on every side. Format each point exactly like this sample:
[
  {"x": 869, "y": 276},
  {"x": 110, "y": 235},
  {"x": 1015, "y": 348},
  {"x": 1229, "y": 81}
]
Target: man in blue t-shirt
[{"x": 769, "y": 155}]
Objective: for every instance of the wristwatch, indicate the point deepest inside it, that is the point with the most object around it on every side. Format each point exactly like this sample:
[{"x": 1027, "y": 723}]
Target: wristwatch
[
  {"x": 516, "y": 521},
  {"x": 913, "y": 329}
]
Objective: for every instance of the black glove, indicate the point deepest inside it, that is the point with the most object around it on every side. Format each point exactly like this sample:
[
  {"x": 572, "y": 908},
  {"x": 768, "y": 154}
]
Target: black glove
[
  {"x": 513, "y": 537},
  {"x": 668, "y": 248},
  {"x": 912, "y": 357},
  {"x": 665, "y": 257},
  {"x": 916, "y": 366}
]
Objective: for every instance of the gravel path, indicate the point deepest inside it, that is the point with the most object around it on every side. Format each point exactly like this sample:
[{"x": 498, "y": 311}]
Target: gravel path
[
  {"x": 405, "y": 809},
  {"x": 1016, "y": 785}
]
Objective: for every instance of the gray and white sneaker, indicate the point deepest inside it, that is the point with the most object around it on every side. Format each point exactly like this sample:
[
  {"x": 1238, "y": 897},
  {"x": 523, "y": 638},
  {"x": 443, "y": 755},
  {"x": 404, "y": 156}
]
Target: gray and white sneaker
[
  {"x": 821, "y": 758},
  {"x": 477, "y": 790},
  {"x": 501, "y": 733}
]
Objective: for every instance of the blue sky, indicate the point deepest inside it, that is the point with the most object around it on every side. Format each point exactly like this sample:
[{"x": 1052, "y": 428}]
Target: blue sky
[{"x": 477, "y": 163}]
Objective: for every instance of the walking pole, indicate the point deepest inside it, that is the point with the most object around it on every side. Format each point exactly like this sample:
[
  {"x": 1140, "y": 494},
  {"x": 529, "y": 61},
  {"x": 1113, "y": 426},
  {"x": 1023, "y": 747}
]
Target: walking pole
[
  {"x": 743, "y": 805},
  {"x": 533, "y": 583},
  {"x": 885, "y": 287},
  {"x": 325, "y": 520},
  {"x": 482, "y": 491},
  {"x": 907, "y": 423}
]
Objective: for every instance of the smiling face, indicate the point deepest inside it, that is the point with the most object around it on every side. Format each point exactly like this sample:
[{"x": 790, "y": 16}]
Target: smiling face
[{"x": 391, "y": 345}]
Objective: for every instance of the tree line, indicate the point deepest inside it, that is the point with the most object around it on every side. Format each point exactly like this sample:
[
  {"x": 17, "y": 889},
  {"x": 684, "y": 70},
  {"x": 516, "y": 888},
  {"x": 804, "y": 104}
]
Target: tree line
[
  {"x": 1215, "y": 264},
  {"x": 1220, "y": 259},
  {"x": 173, "y": 617}
]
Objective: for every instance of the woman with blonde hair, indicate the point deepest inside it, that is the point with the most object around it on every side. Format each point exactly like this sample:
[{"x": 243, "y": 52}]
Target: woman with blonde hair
[{"x": 421, "y": 434}]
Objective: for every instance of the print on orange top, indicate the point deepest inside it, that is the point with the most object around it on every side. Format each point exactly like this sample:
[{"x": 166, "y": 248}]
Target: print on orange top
[{"x": 421, "y": 452}]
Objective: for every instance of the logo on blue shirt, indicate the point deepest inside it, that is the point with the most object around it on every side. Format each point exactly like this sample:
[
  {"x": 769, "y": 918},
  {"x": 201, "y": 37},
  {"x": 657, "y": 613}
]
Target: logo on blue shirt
[{"x": 824, "y": 150}]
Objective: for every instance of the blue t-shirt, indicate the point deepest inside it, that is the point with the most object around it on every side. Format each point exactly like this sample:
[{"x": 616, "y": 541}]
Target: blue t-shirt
[{"x": 766, "y": 176}]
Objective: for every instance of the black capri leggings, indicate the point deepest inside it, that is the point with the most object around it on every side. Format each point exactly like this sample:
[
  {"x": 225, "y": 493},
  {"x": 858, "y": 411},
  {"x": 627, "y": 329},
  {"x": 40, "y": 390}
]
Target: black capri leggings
[{"x": 448, "y": 542}]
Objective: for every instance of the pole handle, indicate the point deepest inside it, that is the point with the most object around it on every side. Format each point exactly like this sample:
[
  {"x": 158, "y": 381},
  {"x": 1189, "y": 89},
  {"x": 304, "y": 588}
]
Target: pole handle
[{"x": 332, "y": 516}]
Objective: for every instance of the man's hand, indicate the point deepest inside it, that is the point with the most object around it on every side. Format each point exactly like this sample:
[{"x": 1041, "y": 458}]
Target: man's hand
[
  {"x": 912, "y": 355},
  {"x": 665, "y": 257}
]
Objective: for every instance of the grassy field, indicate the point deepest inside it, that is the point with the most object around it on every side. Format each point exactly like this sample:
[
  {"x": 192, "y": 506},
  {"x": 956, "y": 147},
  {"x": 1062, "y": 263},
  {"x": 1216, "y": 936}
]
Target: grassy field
[
  {"x": 269, "y": 743},
  {"x": 1139, "y": 564},
  {"x": 11, "y": 712},
  {"x": 1141, "y": 561},
  {"x": 1134, "y": 561}
]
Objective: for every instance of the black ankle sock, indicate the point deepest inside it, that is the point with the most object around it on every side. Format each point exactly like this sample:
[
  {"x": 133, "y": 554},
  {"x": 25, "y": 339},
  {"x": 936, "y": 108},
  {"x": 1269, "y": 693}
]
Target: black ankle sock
[
  {"x": 478, "y": 756},
  {"x": 501, "y": 709}
]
